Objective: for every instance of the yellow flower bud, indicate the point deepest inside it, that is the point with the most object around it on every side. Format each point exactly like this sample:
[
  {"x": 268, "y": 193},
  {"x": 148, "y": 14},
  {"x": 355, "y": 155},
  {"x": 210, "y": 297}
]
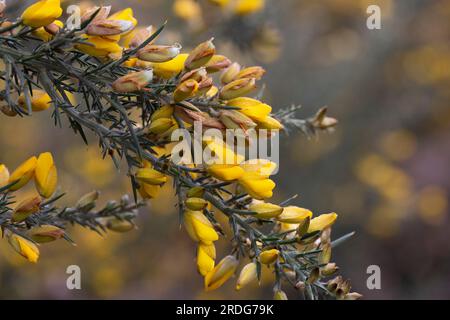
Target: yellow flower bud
[
  {"x": 46, "y": 233},
  {"x": 196, "y": 204},
  {"x": 206, "y": 254},
  {"x": 257, "y": 186},
  {"x": 185, "y": 90},
  {"x": 195, "y": 192},
  {"x": 47, "y": 33},
  {"x": 262, "y": 167},
  {"x": 99, "y": 47},
  {"x": 269, "y": 256},
  {"x": 217, "y": 63},
  {"x": 42, "y": 13},
  {"x": 269, "y": 123},
  {"x": 88, "y": 200},
  {"x": 108, "y": 27},
  {"x": 39, "y": 99},
  {"x": 199, "y": 227},
  {"x": 233, "y": 119},
  {"x": 132, "y": 82},
  {"x": 237, "y": 88},
  {"x": 212, "y": 92},
  {"x": 26, "y": 208},
  {"x": 196, "y": 74},
  {"x": 201, "y": 55},
  {"x": 266, "y": 210},
  {"x": 4, "y": 175},
  {"x": 329, "y": 269},
  {"x": 125, "y": 14},
  {"x": 158, "y": 53},
  {"x": 24, "y": 247},
  {"x": 248, "y": 274},
  {"x": 321, "y": 222},
  {"x": 161, "y": 125},
  {"x": 251, "y": 72},
  {"x": 149, "y": 191},
  {"x": 46, "y": 175},
  {"x": 169, "y": 69},
  {"x": 163, "y": 112},
  {"x": 119, "y": 225},
  {"x": 293, "y": 214},
  {"x": 150, "y": 176},
  {"x": 252, "y": 108},
  {"x": 245, "y": 7},
  {"x": 279, "y": 295},
  {"x": 221, "y": 273},
  {"x": 23, "y": 174},
  {"x": 230, "y": 73},
  {"x": 226, "y": 172}
]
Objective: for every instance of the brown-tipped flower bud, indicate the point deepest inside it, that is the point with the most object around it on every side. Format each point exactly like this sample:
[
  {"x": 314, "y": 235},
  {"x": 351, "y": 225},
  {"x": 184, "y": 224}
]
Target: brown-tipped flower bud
[
  {"x": 333, "y": 284},
  {"x": 201, "y": 55},
  {"x": 2, "y": 8},
  {"x": 325, "y": 255},
  {"x": 237, "y": 88},
  {"x": 46, "y": 233},
  {"x": 196, "y": 74},
  {"x": 205, "y": 85},
  {"x": 26, "y": 208},
  {"x": 329, "y": 269},
  {"x": 103, "y": 13},
  {"x": 53, "y": 28},
  {"x": 217, "y": 63},
  {"x": 233, "y": 119},
  {"x": 107, "y": 27},
  {"x": 158, "y": 53},
  {"x": 342, "y": 289},
  {"x": 313, "y": 276},
  {"x": 353, "y": 296},
  {"x": 230, "y": 73},
  {"x": 185, "y": 90},
  {"x": 138, "y": 36},
  {"x": 251, "y": 72},
  {"x": 133, "y": 82}
]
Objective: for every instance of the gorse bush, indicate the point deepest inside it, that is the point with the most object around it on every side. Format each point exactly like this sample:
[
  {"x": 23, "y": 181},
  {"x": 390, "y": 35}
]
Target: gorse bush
[{"x": 105, "y": 73}]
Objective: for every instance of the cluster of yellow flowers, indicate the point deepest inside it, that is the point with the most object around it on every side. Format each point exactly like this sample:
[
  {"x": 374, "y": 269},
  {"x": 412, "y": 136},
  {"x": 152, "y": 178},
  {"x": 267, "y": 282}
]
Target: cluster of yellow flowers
[
  {"x": 195, "y": 86},
  {"x": 43, "y": 170}
]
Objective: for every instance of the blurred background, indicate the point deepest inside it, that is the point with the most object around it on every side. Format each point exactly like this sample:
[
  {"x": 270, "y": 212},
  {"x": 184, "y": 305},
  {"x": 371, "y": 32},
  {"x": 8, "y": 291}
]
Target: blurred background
[{"x": 385, "y": 170}]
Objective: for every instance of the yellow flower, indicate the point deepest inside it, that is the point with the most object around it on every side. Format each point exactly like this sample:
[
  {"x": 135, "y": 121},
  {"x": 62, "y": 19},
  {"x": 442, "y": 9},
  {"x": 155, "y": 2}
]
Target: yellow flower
[
  {"x": 43, "y": 34},
  {"x": 245, "y": 7},
  {"x": 99, "y": 46},
  {"x": 226, "y": 172},
  {"x": 42, "y": 13},
  {"x": 266, "y": 210},
  {"x": 186, "y": 89},
  {"x": 321, "y": 222},
  {"x": 134, "y": 81},
  {"x": 237, "y": 88},
  {"x": 221, "y": 273},
  {"x": 220, "y": 152},
  {"x": 187, "y": 9},
  {"x": 257, "y": 186},
  {"x": 39, "y": 99},
  {"x": 248, "y": 274},
  {"x": 252, "y": 108},
  {"x": 45, "y": 174},
  {"x": 4, "y": 175},
  {"x": 201, "y": 55},
  {"x": 199, "y": 227},
  {"x": 269, "y": 256},
  {"x": 46, "y": 233},
  {"x": 23, "y": 173},
  {"x": 26, "y": 208},
  {"x": 149, "y": 191},
  {"x": 169, "y": 69},
  {"x": 125, "y": 14},
  {"x": 269, "y": 123},
  {"x": 24, "y": 247},
  {"x": 206, "y": 254},
  {"x": 150, "y": 176},
  {"x": 293, "y": 214},
  {"x": 196, "y": 204}
]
